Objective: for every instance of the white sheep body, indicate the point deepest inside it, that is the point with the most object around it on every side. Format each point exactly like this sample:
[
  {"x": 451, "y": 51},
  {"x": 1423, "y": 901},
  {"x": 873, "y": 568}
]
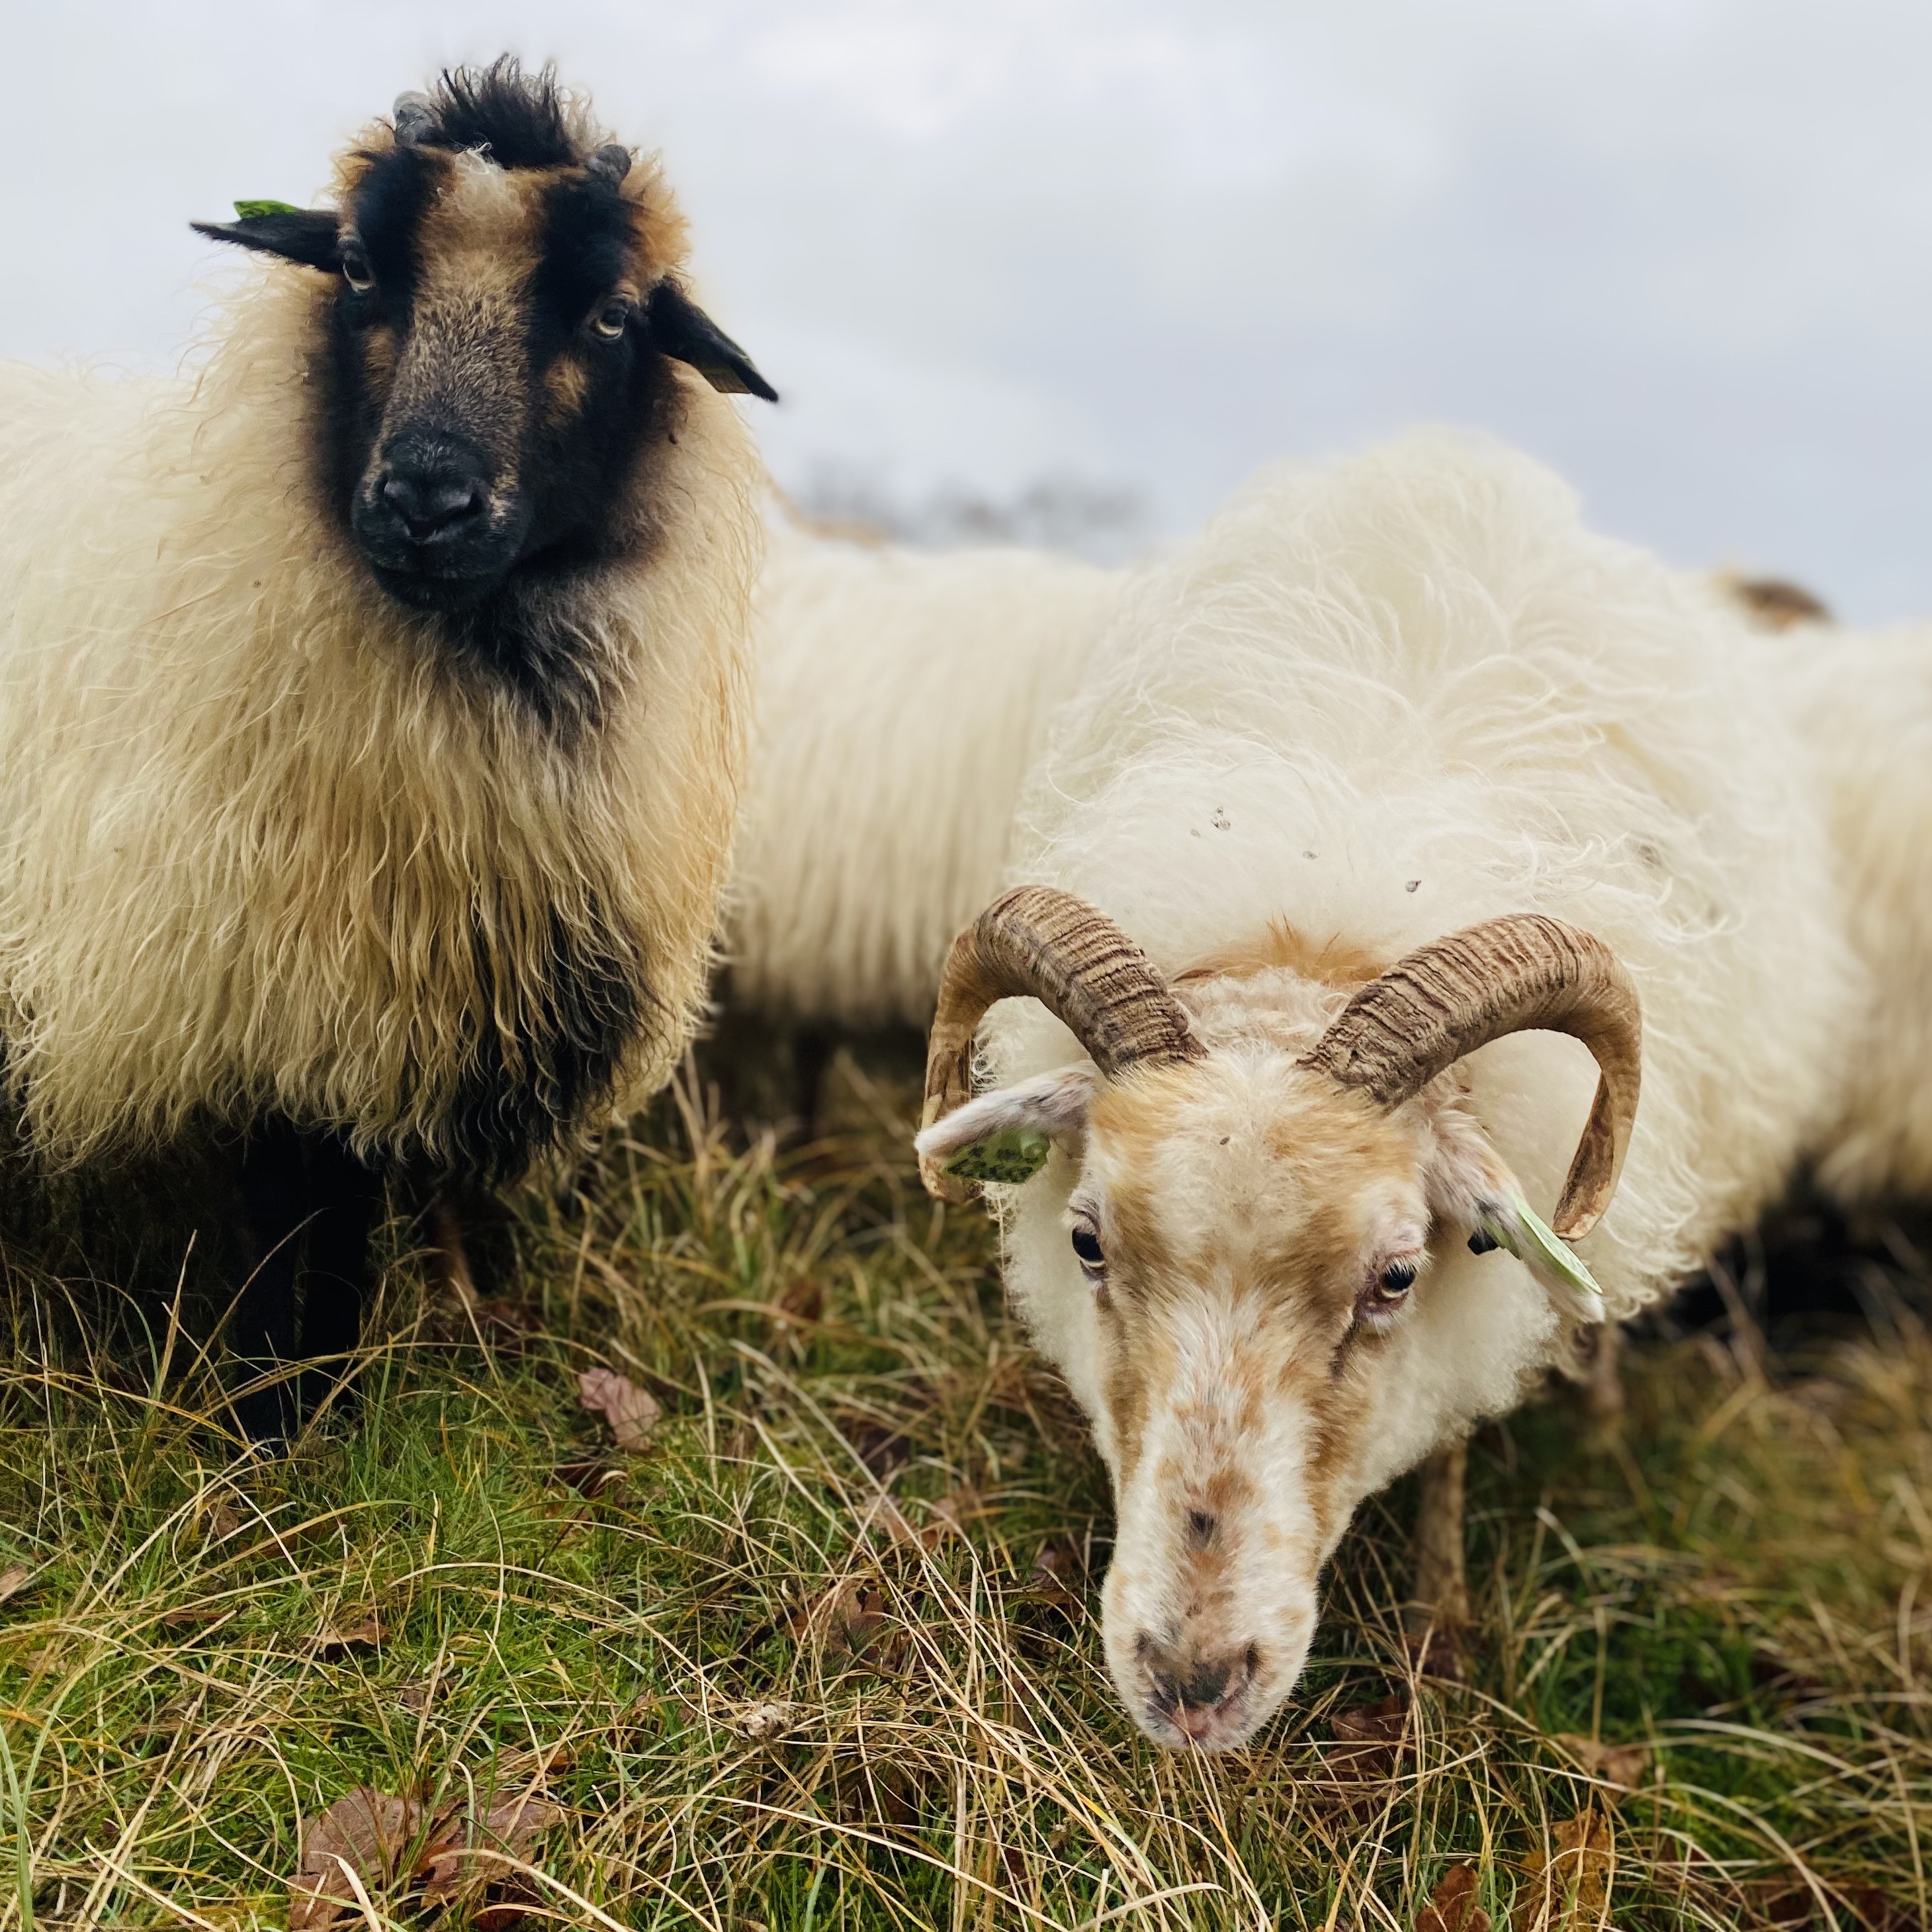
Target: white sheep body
[
  {"x": 259, "y": 838},
  {"x": 1861, "y": 703},
  {"x": 903, "y": 697},
  {"x": 1386, "y": 701}
]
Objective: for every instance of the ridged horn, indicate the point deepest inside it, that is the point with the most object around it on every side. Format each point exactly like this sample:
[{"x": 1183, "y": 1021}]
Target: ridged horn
[
  {"x": 1521, "y": 974},
  {"x": 1045, "y": 944},
  {"x": 414, "y": 118}
]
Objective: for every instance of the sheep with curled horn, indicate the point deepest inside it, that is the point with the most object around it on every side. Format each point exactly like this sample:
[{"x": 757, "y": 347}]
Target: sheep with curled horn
[
  {"x": 373, "y": 705},
  {"x": 1394, "y": 778}
]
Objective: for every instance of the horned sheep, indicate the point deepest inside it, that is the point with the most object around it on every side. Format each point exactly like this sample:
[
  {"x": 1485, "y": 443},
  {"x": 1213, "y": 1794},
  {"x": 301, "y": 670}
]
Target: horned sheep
[
  {"x": 372, "y": 700},
  {"x": 1395, "y": 771}
]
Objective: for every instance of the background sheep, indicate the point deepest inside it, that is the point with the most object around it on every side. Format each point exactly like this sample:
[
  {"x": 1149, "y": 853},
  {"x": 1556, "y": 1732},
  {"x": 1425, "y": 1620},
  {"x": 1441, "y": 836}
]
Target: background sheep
[
  {"x": 372, "y": 703},
  {"x": 903, "y": 696},
  {"x": 1367, "y": 709}
]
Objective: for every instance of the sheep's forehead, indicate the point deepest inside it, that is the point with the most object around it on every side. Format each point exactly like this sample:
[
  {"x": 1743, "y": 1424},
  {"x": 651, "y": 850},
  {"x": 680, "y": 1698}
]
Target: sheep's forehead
[
  {"x": 482, "y": 230},
  {"x": 1246, "y": 1167}
]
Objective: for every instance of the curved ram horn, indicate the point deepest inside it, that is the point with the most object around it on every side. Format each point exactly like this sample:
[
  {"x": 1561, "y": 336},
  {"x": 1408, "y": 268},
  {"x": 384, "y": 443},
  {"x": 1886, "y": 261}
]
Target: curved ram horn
[
  {"x": 414, "y": 117},
  {"x": 1038, "y": 941},
  {"x": 1512, "y": 975}
]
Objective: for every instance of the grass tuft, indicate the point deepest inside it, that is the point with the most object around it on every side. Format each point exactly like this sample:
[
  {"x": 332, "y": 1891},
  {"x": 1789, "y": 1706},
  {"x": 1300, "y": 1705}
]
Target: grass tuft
[{"x": 823, "y": 1653}]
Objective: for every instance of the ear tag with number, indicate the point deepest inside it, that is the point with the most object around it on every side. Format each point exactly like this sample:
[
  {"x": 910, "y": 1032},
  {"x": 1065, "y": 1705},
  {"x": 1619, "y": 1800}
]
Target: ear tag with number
[
  {"x": 1007, "y": 1159},
  {"x": 1541, "y": 1249},
  {"x": 253, "y": 211}
]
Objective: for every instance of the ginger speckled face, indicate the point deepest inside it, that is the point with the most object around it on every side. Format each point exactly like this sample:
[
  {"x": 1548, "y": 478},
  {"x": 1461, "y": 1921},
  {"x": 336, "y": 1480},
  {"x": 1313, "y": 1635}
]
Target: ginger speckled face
[{"x": 1236, "y": 1263}]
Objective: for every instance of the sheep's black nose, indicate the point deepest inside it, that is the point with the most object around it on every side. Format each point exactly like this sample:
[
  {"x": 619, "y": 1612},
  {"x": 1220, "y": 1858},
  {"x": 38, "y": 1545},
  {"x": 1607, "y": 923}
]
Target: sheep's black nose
[
  {"x": 431, "y": 503},
  {"x": 1192, "y": 1692}
]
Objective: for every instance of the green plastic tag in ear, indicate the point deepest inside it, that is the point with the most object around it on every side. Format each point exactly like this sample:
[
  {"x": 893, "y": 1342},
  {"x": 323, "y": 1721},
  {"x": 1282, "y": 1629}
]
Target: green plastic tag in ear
[
  {"x": 1541, "y": 1249},
  {"x": 1009, "y": 1158},
  {"x": 253, "y": 210}
]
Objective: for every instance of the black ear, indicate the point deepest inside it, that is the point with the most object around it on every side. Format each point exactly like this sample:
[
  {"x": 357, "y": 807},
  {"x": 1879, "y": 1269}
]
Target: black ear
[
  {"x": 674, "y": 325},
  {"x": 297, "y": 235}
]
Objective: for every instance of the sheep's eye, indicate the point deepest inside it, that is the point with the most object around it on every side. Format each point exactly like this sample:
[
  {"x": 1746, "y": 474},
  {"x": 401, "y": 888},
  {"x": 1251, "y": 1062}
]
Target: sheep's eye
[
  {"x": 356, "y": 271},
  {"x": 1396, "y": 1280},
  {"x": 612, "y": 319},
  {"x": 1086, "y": 1246}
]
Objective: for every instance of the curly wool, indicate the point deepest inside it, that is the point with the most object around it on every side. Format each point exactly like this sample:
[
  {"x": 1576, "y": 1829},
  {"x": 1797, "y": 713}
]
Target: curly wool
[
  {"x": 903, "y": 697},
  {"x": 1382, "y": 702},
  {"x": 265, "y": 843}
]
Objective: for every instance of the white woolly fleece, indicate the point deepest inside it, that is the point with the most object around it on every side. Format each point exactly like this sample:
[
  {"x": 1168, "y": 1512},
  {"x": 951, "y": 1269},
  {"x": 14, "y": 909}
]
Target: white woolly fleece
[
  {"x": 1383, "y": 701},
  {"x": 253, "y": 832},
  {"x": 902, "y": 699}
]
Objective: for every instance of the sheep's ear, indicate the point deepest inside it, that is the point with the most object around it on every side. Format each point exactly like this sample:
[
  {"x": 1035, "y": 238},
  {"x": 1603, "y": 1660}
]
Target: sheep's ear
[
  {"x": 1471, "y": 1188},
  {"x": 675, "y": 326},
  {"x": 1006, "y": 1135},
  {"x": 306, "y": 234}
]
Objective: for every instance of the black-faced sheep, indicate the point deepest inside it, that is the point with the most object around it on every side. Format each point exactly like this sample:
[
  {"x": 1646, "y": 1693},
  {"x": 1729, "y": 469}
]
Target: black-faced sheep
[{"x": 372, "y": 704}]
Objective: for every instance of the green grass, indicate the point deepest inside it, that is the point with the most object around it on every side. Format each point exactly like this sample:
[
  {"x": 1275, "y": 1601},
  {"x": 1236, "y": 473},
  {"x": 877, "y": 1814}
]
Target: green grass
[{"x": 1737, "y": 1581}]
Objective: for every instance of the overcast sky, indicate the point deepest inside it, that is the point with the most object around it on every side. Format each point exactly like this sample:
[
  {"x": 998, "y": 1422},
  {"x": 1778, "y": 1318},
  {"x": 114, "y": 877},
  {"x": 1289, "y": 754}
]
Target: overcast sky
[{"x": 1682, "y": 249}]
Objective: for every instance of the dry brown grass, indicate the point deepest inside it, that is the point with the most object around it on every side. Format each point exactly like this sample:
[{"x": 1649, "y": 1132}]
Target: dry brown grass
[{"x": 824, "y": 1654}]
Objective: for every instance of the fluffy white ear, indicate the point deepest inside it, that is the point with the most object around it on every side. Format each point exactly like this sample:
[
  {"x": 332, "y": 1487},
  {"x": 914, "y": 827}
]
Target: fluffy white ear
[
  {"x": 1005, "y": 1135},
  {"x": 1471, "y": 1189}
]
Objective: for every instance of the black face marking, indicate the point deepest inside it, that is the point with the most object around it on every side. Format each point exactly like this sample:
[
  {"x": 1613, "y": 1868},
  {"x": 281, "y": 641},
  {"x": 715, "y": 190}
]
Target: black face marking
[
  {"x": 497, "y": 502},
  {"x": 1201, "y": 1528},
  {"x": 522, "y": 1098},
  {"x": 307, "y": 236}
]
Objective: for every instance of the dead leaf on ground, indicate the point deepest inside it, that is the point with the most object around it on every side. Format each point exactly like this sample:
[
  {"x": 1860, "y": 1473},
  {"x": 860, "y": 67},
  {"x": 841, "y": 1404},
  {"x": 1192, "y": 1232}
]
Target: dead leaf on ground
[
  {"x": 360, "y": 1629},
  {"x": 631, "y": 1412},
  {"x": 849, "y": 1617},
  {"x": 1368, "y": 1738},
  {"x": 880, "y": 1447},
  {"x": 803, "y": 1299},
  {"x": 370, "y": 1832},
  {"x": 222, "y": 1520},
  {"x": 1452, "y": 1905},
  {"x": 1568, "y": 1883},
  {"x": 13, "y": 1579},
  {"x": 1059, "y": 1578},
  {"x": 416, "y": 1694},
  {"x": 471, "y": 1852},
  {"x": 1623, "y": 1766}
]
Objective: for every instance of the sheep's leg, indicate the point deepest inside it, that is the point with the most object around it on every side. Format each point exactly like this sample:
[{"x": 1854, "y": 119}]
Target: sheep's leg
[
  {"x": 1604, "y": 1395},
  {"x": 1441, "y": 1606},
  {"x": 345, "y": 1195},
  {"x": 273, "y": 1189},
  {"x": 812, "y": 1049}
]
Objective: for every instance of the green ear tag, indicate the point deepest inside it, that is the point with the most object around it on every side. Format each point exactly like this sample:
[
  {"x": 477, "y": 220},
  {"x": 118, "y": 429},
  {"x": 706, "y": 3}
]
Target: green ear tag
[
  {"x": 1009, "y": 1158},
  {"x": 253, "y": 211},
  {"x": 1538, "y": 1247}
]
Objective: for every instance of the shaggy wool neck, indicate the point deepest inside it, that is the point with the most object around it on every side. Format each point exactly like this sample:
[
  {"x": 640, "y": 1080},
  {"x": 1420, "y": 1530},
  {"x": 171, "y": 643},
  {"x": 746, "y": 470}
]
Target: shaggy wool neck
[{"x": 271, "y": 844}]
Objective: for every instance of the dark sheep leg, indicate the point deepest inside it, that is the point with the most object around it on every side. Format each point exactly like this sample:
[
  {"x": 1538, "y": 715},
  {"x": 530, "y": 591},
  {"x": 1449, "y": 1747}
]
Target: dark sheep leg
[
  {"x": 273, "y": 1188},
  {"x": 345, "y": 1197}
]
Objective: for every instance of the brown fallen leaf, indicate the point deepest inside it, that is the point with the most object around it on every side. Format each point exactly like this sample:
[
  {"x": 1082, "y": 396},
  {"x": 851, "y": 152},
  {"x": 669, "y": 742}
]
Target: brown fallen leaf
[
  {"x": 1368, "y": 1748},
  {"x": 370, "y": 1832},
  {"x": 631, "y": 1412},
  {"x": 13, "y": 1580},
  {"x": 1622, "y": 1766},
  {"x": 803, "y": 1299},
  {"x": 1452, "y": 1905},
  {"x": 360, "y": 1631},
  {"x": 1569, "y": 1883},
  {"x": 416, "y": 1694},
  {"x": 469, "y": 1853}
]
